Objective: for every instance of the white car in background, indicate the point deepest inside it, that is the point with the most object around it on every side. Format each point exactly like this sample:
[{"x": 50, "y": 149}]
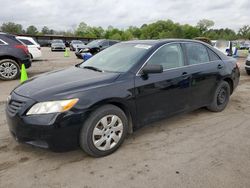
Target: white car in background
[
  {"x": 33, "y": 47},
  {"x": 225, "y": 47}
]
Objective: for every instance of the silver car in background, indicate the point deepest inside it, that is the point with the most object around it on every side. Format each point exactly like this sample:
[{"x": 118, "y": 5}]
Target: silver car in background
[
  {"x": 76, "y": 45},
  {"x": 57, "y": 45}
]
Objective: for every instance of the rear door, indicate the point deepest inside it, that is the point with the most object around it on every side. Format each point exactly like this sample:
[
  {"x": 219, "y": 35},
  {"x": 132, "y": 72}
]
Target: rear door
[
  {"x": 205, "y": 67},
  {"x": 163, "y": 94}
]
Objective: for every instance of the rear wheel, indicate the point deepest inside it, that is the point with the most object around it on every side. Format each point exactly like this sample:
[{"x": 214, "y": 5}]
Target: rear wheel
[
  {"x": 248, "y": 72},
  {"x": 104, "y": 131},
  {"x": 9, "y": 69},
  {"x": 221, "y": 97}
]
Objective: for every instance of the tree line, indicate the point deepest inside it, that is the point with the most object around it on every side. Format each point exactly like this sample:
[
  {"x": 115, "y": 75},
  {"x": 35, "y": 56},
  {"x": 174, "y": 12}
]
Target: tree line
[{"x": 157, "y": 30}]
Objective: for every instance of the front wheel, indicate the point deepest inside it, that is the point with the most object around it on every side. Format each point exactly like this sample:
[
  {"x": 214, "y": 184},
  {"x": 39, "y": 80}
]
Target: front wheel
[
  {"x": 104, "y": 131},
  {"x": 9, "y": 69},
  {"x": 221, "y": 97}
]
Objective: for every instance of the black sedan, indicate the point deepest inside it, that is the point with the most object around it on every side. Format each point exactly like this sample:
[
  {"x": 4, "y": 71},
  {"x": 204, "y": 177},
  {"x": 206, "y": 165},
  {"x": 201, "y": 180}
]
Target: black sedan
[
  {"x": 95, "y": 104},
  {"x": 95, "y": 46}
]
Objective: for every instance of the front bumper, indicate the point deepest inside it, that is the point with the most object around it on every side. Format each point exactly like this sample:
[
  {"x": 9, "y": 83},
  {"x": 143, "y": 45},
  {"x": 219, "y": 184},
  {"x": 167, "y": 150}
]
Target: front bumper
[
  {"x": 57, "y": 132},
  {"x": 78, "y": 55},
  {"x": 58, "y": 48}
]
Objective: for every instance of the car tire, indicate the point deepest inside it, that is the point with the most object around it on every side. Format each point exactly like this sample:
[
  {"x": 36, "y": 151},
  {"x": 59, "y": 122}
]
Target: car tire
[
  {"x": 220, "y": 98},
  {"x": 99, "y": 135},
  {"x": 13, "y": 67},
  {"x": 248, "y": 72}
]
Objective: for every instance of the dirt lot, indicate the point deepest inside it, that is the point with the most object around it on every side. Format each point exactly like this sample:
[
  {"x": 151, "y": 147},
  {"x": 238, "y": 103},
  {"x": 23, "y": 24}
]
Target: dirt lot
[{"x": 198, "y": 149}]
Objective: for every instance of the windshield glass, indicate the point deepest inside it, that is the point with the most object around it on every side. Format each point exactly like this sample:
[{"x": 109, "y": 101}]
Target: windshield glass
[
  {"x": 117, "y": 58},
  {"x": 57, "y": 41},
  {"x": 94, "y": 42},
  {"x": 222, "y": 44}
]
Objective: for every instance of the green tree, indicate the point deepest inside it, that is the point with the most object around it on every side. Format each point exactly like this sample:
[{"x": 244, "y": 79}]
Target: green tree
[
  {"x": 127, "y": 35},
  {"x": 32, "y": 30},
  {"x": 244, "y": 32},
  {"x": 83, "y": 30},
  {"x": 116, "y": 36},
  {"x": 11, "y": 27},
  {"x": 204, "y": 25},
  {"x": 45, "y": 30}
]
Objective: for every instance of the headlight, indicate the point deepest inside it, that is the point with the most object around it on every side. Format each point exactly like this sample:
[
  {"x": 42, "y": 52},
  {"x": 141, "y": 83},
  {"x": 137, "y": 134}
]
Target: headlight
[{"x": 52, "y": 106}]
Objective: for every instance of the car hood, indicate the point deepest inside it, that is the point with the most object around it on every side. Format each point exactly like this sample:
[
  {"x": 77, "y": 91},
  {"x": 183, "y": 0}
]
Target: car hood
[{"x": 60, "y": 84}]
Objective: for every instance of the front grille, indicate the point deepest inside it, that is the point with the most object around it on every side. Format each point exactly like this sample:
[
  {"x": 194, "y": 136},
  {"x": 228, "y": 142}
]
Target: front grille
[{"x": 14, "y": 106}]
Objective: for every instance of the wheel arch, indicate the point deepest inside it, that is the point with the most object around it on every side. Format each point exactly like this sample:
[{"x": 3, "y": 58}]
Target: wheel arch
[
  {"x": 119, "y": 104},
  {"x": 231, "y": 84},
  {"x": 10, "y": 57}
]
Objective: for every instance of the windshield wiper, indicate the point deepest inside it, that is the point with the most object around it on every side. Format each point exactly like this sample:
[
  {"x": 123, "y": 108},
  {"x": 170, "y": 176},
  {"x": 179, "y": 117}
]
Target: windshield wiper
[{"x": 92, "y": 68}]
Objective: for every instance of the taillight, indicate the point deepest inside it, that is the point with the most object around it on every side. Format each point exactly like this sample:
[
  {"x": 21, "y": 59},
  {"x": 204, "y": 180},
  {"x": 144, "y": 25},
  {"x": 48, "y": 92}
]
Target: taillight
[{"x": 24, "y": 48}]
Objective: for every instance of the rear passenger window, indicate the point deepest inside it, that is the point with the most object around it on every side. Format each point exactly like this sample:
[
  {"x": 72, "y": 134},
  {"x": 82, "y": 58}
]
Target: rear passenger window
[
  {"x": 27, "y": 42},
  {"x": 196, "y": 53},
  {"x": 212, "y": 55},
  {"x": 169, "y": 56}
]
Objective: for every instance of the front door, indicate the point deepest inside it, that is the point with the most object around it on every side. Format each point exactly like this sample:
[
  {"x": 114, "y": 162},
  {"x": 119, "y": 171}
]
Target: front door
[{"x": 163, "y": 94}]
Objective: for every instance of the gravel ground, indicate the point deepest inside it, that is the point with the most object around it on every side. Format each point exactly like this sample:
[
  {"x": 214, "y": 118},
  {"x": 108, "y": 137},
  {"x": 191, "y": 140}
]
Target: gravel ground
[{"x": 198, "y": 149}]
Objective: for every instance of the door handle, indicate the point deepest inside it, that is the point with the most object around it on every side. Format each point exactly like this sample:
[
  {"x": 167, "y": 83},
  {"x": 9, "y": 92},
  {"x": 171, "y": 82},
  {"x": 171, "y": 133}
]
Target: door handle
[
  {"x": 185, "y": 75},
  {"x": 219, "y": 66}
]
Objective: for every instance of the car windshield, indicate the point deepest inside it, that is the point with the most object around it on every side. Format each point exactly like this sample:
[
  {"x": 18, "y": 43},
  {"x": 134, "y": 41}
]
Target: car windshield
[
  {"x": 95, "y": 43},
  {"x": 117, "y": 58},
  {"x": 222, "y": 44},
  {"x": 57, "y": 41}
]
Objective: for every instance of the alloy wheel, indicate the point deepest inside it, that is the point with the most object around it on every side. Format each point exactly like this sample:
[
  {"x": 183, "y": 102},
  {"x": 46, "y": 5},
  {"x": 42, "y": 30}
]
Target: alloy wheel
[{"x": 8, "y": 70}]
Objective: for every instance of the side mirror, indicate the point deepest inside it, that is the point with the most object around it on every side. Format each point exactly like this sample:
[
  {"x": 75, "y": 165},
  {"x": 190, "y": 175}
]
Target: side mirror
[{"x": 152, "y": 69}]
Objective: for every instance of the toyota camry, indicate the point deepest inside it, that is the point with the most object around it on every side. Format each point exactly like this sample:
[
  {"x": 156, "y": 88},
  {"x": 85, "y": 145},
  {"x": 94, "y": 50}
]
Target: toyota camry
[{"x": 95, "y": 104}]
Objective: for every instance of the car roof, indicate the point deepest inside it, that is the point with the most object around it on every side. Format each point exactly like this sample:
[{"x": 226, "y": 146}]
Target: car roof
[
  {"x": 22, "y": 37},
  {"x": 162, "y": 41}
]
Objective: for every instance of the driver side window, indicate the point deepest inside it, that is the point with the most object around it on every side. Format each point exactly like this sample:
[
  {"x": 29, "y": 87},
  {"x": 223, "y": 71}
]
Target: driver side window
[{"x": 169, "y": 56}]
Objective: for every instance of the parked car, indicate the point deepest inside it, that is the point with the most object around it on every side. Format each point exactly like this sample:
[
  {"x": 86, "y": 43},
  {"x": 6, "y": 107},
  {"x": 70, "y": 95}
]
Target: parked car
[
  {"x": 225, "y": 47},
  {"x": 213, "y": 42},
  {"x": 247, "y": 66},
  {"x": 44, "y": 42},
  {"x": 95, "y": 46},
  {"x": 245, "y": 45},
  {"x": 13, "y": 53},
  {"x": 33, "y": 47},
  {"x": 119, "y": 90},
  {"x": 57, "y": 45},
  {"x": 76, "y": 45}
]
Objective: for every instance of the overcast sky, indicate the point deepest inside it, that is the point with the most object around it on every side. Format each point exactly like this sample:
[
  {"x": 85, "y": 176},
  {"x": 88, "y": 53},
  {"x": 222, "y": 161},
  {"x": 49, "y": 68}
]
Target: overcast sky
[{"x": 67, "y": 14}]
